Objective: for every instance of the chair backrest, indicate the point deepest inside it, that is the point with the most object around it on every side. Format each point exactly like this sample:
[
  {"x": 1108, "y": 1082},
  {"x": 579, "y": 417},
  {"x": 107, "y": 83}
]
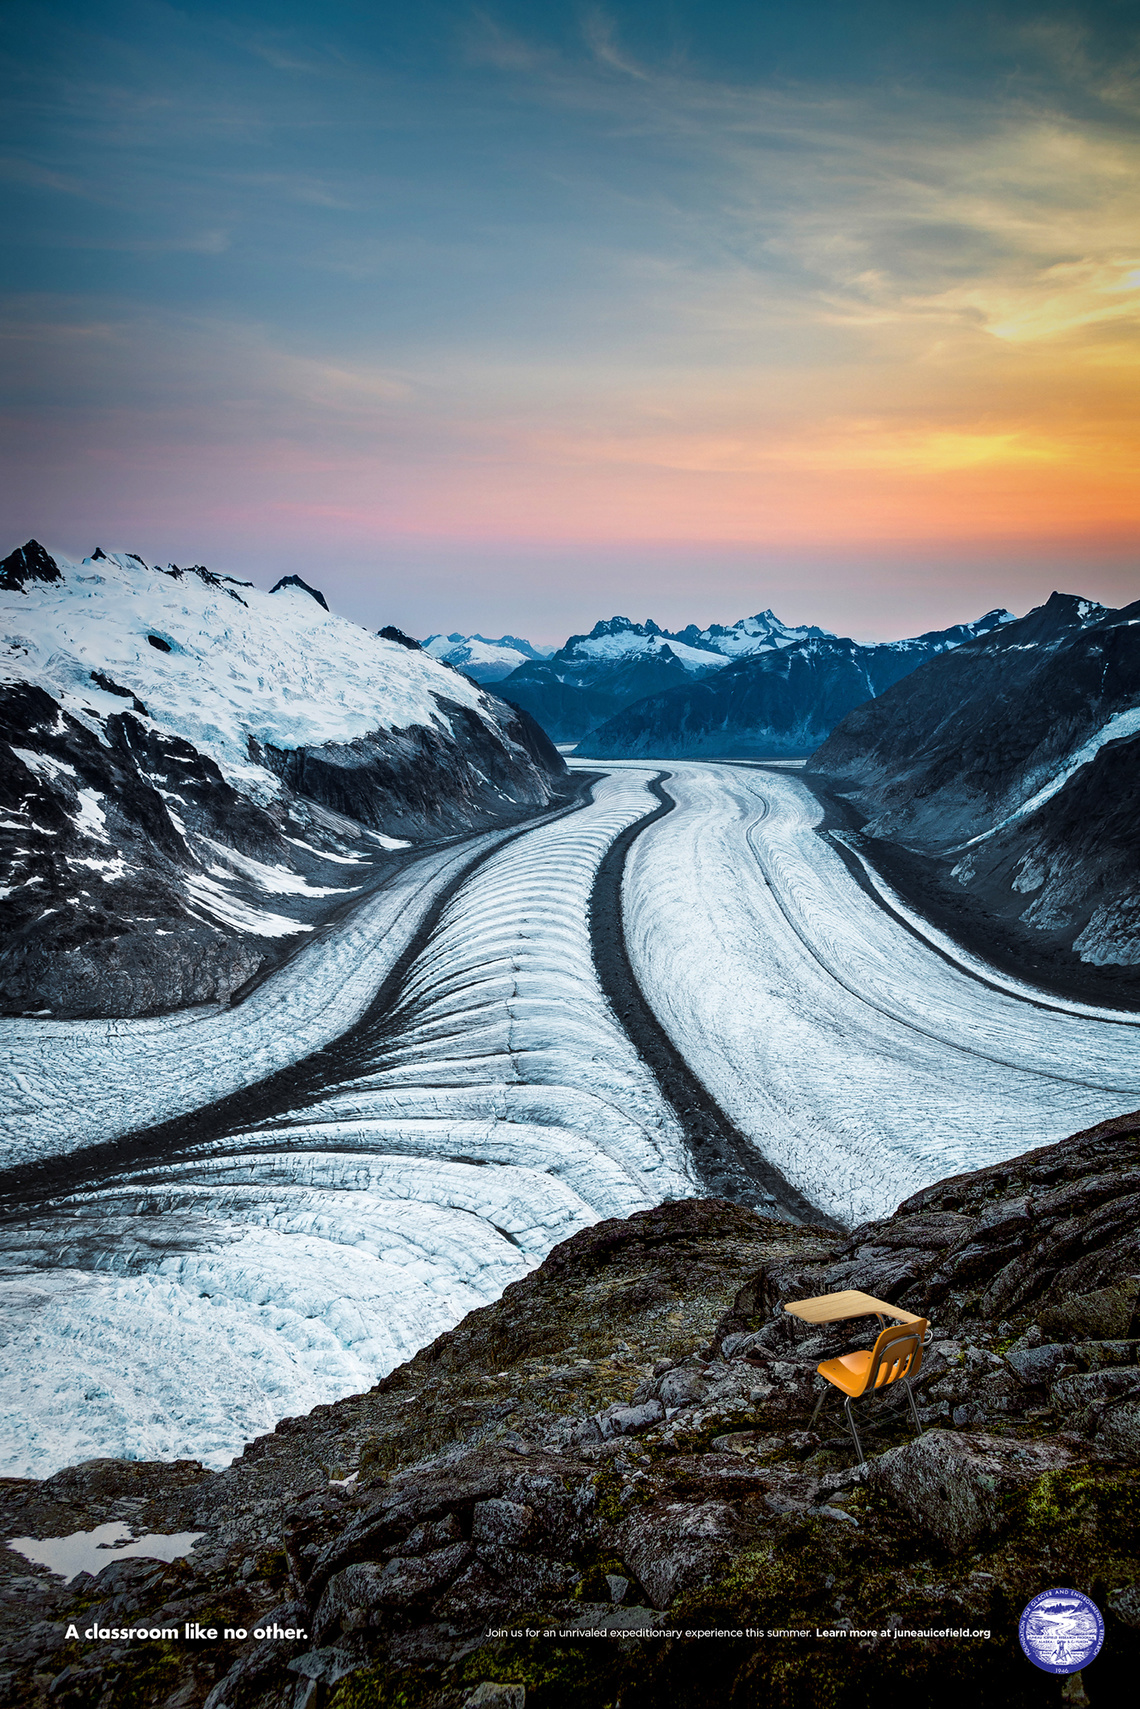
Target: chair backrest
[{"x": 897, "y": 1353}]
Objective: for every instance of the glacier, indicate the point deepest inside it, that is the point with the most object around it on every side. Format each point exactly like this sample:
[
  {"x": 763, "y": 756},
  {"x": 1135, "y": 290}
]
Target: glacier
[
  {"x": 185, "y": 1300},
  {"x": 497, "y": 1109},
  {"x": 860, "y": 1059}
]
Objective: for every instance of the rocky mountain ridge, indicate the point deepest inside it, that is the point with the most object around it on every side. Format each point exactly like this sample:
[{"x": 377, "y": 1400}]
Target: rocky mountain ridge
[
  {"x": 779, "y": 700},
  {"x": 194, "y": 773},
  {"x": 621, "y": 1449},
  {"x": 595, "y": 676},
  {"x": 1002, "y": 780}
]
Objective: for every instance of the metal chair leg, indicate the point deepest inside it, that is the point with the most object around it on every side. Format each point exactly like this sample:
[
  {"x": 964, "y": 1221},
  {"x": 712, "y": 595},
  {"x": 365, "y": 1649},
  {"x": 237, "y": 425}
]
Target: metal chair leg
[
  {"x": 854, "y": 1432},
  {"x": 913, "y": 1408},
  {"x": 826, "y": 1390}
]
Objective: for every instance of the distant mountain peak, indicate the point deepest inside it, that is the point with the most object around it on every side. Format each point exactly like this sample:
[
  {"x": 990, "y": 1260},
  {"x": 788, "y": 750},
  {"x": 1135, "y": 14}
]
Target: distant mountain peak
[
  {"x": 1056, "y": 620},
  {"x": 296, "y": 581},
  {"x": 485, "y": 658},
  {"x": 620, "y": 626},
  {"x": 30, "y": 563}
]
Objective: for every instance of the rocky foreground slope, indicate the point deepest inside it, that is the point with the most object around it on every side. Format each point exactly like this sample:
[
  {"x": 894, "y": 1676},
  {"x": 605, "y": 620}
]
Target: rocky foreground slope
[
  {"x": 195, "y": 773},
  {"x": 552, "y": 1499},
  {"x": 1002, "y": 781}
]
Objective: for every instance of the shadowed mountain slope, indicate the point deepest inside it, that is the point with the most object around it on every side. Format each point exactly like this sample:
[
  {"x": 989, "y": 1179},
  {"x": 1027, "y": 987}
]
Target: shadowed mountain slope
[{"x": 1011, "y": 769}]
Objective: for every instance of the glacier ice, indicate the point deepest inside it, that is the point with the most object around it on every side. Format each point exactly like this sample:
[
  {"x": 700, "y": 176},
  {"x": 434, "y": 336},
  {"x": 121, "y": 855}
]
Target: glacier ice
[
  {"x": 499, "y": 1108},
  {"x": 860, "y": 1061},
  {"x": 192, "y": 1300}
]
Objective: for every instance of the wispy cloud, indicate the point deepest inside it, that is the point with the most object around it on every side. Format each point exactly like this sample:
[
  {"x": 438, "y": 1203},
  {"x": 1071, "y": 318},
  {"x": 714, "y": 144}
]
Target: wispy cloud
[{"x": 539, "y": 280}]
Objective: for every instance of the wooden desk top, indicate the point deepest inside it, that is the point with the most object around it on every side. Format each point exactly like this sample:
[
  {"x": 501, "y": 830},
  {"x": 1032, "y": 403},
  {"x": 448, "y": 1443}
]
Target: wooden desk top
[{"x": 834, "y": 1308}]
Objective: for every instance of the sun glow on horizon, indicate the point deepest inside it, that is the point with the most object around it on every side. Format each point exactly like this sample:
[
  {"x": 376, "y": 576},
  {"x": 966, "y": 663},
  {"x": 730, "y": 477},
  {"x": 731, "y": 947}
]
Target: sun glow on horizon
[{"x": 542, "y": 285}]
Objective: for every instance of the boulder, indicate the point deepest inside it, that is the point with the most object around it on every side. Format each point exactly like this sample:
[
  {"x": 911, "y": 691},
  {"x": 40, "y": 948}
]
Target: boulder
[
  {"x": 1036, "y": 1366},
  {"x": 1119, "y": 1431},
  {"x": 682, "y": 1386},
  {"x": 1105, "y": 1314},
  {"x": 507, "y": 1523},
  {"x": 623, "y": 1420},
  {"x": 400, "y": 1583},
  {"x": 951, "y": 1485},
  {"x": 674, "y": 1547},
  {"x": 1071, "y": 1394}
]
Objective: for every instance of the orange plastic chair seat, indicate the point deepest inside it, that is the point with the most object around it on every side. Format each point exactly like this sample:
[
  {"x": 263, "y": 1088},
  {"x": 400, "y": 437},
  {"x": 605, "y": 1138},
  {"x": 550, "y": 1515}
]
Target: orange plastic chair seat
[{"x": 849, "y": 1371}]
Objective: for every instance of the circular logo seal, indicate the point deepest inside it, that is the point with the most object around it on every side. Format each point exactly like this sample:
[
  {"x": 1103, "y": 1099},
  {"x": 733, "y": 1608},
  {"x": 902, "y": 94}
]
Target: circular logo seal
[{"x": 1061, "y": 1630}]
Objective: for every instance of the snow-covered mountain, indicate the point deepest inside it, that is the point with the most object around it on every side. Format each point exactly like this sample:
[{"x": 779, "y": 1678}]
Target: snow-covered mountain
[
  {"x": 781, "y": 695},
  {"x": 759, "y": 634},
  {"x": 1011, "y": 770},
  {"x": 479, "y": 657},
  {"x": 589, "y": 686},
  {"x": 194, "y": 772},
  {"x": 595, "y": 675}
]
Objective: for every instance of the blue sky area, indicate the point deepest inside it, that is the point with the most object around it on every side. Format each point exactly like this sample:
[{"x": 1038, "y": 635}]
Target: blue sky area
[{"x": 511, "y": 316}]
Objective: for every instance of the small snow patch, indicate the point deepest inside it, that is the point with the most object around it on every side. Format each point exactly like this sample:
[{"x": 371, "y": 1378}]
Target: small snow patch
[
  {"x": 91, "y": 1551},
  {"x": 43, "y": 764},
  {"x": 91, "y": 819},
  {"x": 216, "y": 900}
]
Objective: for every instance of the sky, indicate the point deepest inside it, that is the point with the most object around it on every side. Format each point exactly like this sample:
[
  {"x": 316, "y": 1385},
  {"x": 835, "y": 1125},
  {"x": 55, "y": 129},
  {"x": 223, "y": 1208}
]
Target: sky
[{"x": 513, "y": 316}]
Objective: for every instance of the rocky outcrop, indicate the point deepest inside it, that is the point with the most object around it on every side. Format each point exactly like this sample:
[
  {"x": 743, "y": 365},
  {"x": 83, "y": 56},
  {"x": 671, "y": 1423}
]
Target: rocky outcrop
[
  {"x": 624, "y": 1444},
  {"x": 1000, "y": 784},
  {"x": 298, "y": 581},
  {"x": 30, "y": 563}
]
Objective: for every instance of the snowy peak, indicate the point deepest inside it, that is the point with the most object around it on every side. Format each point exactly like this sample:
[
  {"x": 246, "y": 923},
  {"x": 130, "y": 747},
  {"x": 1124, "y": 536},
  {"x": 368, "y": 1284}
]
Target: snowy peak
[
  {"x": 748, "y": 635},
  {"x": 782, "y": 692},
  {"x": 173, "y": 753},
  {"x": 480, "y": 656},
  {"x": 934, "y": 641},
  {"x": 217, "y": 666},
  {"x": 301, "y": 586},
  {"x": 26, "y": 564},
  {"x": 618, "y": 641},
  {"x": 620, "y": 626},
  {"x": 1062, "y": 615}
]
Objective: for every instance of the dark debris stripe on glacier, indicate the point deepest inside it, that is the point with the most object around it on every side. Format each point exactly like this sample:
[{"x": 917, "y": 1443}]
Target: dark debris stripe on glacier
[{"x": 729, "y": 1165}]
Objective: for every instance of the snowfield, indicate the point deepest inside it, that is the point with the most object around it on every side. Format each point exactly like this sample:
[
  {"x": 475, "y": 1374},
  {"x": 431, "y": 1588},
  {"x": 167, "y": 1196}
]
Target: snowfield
[
  {"x": 859, "y": 1061},
  {"x": 231, "y": 661},
  {"x": 498, "y": 1110}
]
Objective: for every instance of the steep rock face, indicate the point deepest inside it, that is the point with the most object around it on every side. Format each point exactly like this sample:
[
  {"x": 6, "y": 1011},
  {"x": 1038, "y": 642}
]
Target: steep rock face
[
  {"x": 95, "y": 856},
  {"x": 193, "y": 773},
  {"x": 1013, "y": 766},
  {"x": 625, "y": 1442},
  {"x": 782, "y": 700}
]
